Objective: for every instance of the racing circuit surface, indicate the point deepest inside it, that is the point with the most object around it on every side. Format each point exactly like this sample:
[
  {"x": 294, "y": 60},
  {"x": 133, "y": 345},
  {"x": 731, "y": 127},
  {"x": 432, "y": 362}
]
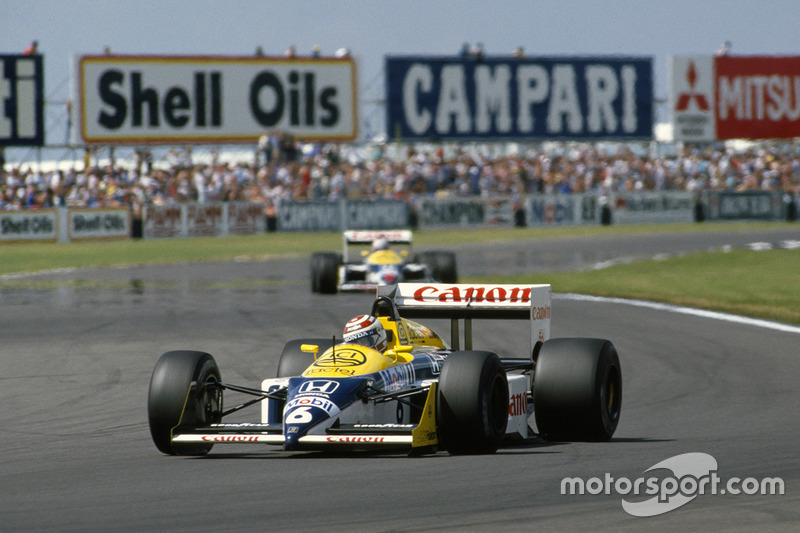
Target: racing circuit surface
[{"x": 79, "y": 347}]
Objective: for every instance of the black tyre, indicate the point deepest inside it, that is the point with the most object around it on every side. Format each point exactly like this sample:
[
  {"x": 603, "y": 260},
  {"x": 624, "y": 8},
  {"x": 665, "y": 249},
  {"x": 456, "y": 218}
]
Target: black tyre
[
  {"x": 442, "y": 265},
  {"x": 315, "y": 274},
  {"x": 577, "y": 390},
  {"x": 294, "y": 361},
  {"x": 472, "y": 403},
  {"x": 325, "y": 272},
  {"x": 169, "y": 385}
]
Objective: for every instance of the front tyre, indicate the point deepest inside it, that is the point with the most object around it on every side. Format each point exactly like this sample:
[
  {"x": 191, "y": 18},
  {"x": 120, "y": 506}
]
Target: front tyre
[
  {"x": 472, "y": 403},
  {"x": 169, "y": 392},
  {"x": 577, "y": 390}
]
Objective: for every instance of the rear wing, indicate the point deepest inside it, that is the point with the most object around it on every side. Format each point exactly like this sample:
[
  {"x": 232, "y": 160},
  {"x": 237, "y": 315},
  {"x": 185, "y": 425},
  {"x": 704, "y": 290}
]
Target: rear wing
[
  {"x": 394, "y": 236},
  {"x": 398, "y": 236},
  {"x": 468, "y": 301}
]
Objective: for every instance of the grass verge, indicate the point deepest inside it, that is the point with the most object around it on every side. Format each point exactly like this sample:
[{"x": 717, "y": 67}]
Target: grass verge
[{"x": 758, "y": 284}]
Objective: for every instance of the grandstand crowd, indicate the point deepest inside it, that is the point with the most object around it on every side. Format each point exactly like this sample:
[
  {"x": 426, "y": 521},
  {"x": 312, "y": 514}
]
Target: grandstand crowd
[{"x": 285, "y": 171}]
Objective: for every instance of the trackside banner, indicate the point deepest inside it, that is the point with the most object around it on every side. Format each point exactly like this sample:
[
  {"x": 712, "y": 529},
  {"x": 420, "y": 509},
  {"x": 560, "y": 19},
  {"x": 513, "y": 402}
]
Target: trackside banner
[
  {"x": 167, "y": 99},
  {"x": 342, "y": 215},
  {"x": 468, "y": 211},
  {"x": 735, "y": 97},
  {"x": 457, "y": 98},
  {"x": 746, "y": 205},
  {"x": 21, "y": 100},
  {"x": 65, "y": 224},
  {"x": 209, "y": 220}
]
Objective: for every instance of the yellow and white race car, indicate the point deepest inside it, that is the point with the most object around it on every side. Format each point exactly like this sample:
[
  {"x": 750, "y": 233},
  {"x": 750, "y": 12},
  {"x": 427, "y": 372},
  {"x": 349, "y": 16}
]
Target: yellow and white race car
[
  {"x": 392, "y": 383},
  {"x": 387, "y": 261}
]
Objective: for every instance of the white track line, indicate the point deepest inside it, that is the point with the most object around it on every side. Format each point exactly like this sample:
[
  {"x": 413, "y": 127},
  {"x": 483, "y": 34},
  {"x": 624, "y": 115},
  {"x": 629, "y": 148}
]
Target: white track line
[{"x": 766, "y": 324}]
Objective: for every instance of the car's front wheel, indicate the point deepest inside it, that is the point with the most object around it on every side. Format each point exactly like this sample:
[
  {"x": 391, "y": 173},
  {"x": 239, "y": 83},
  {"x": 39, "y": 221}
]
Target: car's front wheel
[{"x": 169, "y": 393}]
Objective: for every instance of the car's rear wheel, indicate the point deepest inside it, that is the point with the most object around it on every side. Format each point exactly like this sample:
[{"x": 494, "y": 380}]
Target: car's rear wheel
[
  {"x": 577, "y": 390},
  {"x": 169, "y": 392},
  {"x": 442, "y": 265},
  {"x": 472, "y": 403}
]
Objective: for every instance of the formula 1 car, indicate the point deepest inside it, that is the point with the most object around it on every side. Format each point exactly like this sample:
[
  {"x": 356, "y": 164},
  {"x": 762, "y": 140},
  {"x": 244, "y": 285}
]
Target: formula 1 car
[
  {"x": 418, "y": 395},
  {"x": 367, "y": 269}
]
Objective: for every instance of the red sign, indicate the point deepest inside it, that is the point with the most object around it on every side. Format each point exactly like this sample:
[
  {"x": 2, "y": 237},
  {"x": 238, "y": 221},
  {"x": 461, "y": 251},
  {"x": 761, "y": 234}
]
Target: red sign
[{"x": 757, "y": 97}]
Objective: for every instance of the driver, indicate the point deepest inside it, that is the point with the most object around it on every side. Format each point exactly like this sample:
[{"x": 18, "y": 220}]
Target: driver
[
  {"x": 366, "y": 330},
  {"x": 380, "y": 244}
]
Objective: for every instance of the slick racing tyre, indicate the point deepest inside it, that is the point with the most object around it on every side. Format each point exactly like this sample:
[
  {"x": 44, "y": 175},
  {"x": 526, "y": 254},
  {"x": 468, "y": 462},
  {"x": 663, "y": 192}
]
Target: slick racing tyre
[
  {"x": 472, "y": 403},
  {"x": 324, "y": 272},
  {"x": 294, "y": 361},
  {"x": 442, "y": 265},
  {"x": 169, "y": 385},
  {"x": 577, "y": 390}
]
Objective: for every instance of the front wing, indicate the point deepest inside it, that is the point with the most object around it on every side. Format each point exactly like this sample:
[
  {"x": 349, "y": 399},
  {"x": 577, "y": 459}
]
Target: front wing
[
  {"x": 371, "y": 435},
  {"x": 353, "y": 436}
]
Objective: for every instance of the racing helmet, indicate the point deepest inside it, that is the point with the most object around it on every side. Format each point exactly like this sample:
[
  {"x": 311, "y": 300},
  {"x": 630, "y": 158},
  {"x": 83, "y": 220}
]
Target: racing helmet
[
  {"x": 380, "y": 244},
  {"x": 366, "y": 330}
]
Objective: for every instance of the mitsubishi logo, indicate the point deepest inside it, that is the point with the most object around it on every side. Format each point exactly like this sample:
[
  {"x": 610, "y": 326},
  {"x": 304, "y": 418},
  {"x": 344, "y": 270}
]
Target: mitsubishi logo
[{"x": 685, "y": 98}]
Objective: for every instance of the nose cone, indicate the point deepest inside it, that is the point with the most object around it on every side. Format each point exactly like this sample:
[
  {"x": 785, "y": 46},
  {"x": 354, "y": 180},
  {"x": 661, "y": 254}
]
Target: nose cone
[
  {"x": 303, "y": 413},
  {"x": 313, "y": 404}
]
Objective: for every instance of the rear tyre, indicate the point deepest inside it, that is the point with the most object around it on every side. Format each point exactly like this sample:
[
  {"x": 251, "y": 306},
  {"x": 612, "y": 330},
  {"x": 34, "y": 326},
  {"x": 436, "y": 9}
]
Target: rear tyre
[
  {"x": 294, "y": 361},
  {"x": 324, "y": 272},
  {"x": 169, "y": 385},
  {"x": 441, "y": 264},
  {"x": 472, "y": 403},
  {"x": 577, "y": 390}
]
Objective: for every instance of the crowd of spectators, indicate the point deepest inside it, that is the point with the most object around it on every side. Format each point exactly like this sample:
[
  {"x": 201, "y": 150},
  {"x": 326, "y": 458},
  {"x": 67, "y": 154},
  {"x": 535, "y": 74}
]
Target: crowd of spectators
[{"x": 290, "y": 171}]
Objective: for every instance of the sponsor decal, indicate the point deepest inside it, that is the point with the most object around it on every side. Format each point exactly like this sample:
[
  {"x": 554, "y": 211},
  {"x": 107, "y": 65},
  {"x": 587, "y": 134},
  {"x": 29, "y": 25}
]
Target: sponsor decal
[
  {"x": 355, "y": 439},
  {"x": 476, "y": 294},
  {"x": 517, "y": 405},
  {"x": 318, "y": 387},
  {"x": 312, "y": 401},
  {"x": 397, "y": 377},
  {"x": 344, "y": 372},
  {"x": 342, "y": 357},
  {"x": 384, "y": 426},
  {"x": 231, "y": 438}
]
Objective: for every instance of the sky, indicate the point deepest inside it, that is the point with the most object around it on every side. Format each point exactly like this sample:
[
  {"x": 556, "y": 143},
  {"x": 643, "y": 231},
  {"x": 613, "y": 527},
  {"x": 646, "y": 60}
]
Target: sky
[{"x": 372, "y": 29}]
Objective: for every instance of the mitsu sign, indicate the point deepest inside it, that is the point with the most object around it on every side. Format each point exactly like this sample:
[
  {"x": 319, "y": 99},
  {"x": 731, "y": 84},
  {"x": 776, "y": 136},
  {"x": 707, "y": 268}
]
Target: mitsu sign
[
  {"x": 510, "y": 98},
  {"x": 124, "y": 99}
]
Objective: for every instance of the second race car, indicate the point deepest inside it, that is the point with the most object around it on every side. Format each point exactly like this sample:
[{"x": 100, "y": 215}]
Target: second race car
[{"x": 365, "y": 269}]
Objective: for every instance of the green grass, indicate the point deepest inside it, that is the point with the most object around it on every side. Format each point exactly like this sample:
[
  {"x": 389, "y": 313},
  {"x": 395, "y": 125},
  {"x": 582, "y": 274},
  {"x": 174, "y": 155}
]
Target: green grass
[
  {"x": 759, "y": 284},
  {"x": 763, "y": 284}
]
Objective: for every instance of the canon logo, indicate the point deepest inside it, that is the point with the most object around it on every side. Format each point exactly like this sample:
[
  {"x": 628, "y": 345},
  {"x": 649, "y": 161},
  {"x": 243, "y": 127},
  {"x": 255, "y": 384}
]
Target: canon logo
[
  {"x": 469, "y": 294},
  {"x": 355, "y": 439},
  {"x": 231, "y": 438}
]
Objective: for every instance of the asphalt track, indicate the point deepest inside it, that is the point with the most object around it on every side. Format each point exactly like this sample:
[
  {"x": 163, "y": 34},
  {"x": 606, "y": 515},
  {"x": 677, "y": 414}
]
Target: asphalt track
[{"x": 78, "y": 348}]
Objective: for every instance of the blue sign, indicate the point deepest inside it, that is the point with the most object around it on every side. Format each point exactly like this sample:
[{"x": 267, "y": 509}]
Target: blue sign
[
  {"x": 21, "y": 100},
  {"x": 453, "y": 98}
]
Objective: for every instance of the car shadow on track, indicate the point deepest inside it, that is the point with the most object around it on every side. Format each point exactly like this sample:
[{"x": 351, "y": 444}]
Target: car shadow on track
[{"x": 535, "y": 445}]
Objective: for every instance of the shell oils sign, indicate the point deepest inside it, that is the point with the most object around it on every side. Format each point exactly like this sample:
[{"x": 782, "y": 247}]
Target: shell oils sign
[{"x": 126, "y": 99}]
